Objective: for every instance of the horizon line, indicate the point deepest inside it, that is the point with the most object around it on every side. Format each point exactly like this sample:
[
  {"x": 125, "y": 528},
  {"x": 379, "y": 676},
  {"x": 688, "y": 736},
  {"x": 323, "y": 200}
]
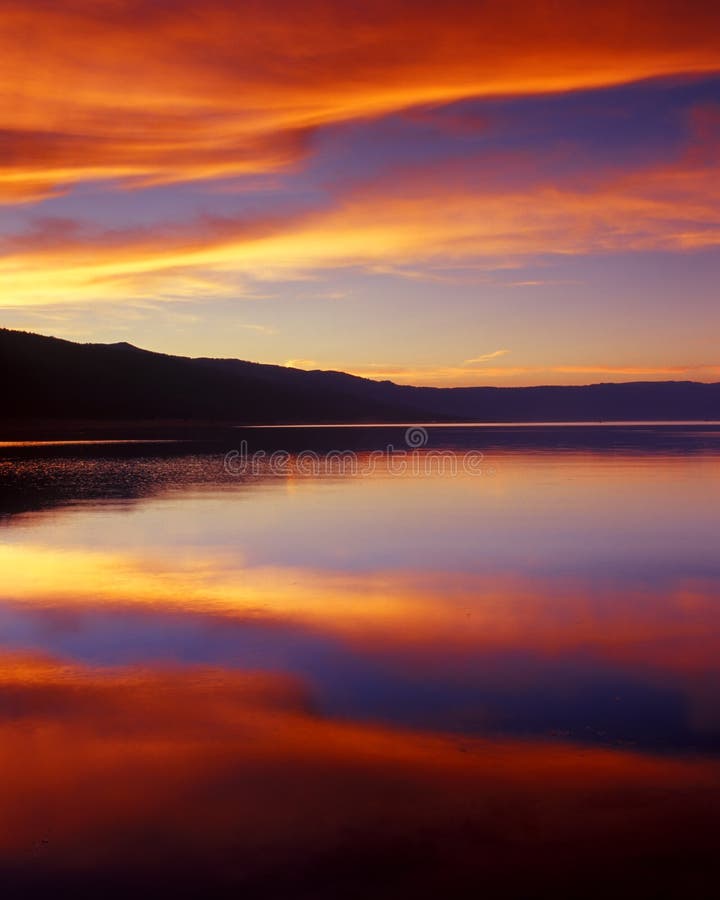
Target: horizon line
[{"x": 350, "y": 374}]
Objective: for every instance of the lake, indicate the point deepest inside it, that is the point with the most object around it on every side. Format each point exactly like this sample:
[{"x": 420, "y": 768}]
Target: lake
[{"x": 362, "y": 662}]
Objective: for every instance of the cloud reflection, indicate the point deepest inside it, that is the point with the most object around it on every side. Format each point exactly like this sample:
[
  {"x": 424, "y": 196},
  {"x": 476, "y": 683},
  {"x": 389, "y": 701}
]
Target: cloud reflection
[{"x": 231, "y": 776}]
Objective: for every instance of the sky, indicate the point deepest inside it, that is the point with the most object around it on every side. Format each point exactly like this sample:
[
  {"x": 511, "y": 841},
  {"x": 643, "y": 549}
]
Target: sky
[{"x": 456, "y": 193}]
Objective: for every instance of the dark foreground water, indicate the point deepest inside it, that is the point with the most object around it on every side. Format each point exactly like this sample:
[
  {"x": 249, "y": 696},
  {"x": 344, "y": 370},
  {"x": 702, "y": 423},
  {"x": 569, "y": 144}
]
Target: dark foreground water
[{"x": 488, "y": 666}]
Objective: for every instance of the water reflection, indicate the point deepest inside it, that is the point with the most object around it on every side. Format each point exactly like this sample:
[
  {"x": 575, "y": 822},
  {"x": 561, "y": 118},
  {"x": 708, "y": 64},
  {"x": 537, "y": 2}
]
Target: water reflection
[
  {"x": 616, "y": 660},
  {"x": 201, "y": 778},
  {"x": 362, "y": 686}
]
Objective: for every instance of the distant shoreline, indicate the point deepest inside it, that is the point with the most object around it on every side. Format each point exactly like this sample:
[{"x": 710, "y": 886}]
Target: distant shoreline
[
  {"x": 62, "y": 389},
  {"x": 52, "y": 431}
]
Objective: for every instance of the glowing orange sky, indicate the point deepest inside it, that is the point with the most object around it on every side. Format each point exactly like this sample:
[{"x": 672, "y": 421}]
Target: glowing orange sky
[
  {"x": 133, "y": 89},
  {"x": 162, "y": 155}
]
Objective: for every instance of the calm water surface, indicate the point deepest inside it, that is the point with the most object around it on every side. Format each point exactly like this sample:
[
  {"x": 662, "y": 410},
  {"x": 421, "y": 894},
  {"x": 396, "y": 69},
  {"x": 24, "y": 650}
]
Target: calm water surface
[{"x": 502, "y": 682}]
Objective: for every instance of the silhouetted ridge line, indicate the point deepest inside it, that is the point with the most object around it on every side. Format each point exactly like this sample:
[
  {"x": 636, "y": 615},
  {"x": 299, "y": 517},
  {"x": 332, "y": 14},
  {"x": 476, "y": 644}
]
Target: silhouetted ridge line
[{"x": 50, "y": 378}]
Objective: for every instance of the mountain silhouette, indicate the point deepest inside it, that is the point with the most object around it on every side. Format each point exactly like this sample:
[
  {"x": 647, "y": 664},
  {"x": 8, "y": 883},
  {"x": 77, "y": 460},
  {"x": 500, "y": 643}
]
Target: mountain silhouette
[{"x": 46, "y": 378}]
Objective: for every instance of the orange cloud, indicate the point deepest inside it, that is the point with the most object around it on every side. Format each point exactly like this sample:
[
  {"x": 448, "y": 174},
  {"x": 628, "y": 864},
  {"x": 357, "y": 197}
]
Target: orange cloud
[
  {"x": 418, "y": 221},
  {"x": 413, "y": 223},
  {"x": 159, "y": 92}
]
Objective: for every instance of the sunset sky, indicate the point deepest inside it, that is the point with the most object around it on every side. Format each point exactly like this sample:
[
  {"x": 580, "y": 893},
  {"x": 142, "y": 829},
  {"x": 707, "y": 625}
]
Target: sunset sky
[{"x": 455, "y": 193}]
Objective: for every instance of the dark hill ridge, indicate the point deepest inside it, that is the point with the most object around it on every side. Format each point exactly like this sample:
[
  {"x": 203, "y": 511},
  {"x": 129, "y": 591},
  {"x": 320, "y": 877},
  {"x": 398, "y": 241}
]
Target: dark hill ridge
[{"x": 49, "y": 378}]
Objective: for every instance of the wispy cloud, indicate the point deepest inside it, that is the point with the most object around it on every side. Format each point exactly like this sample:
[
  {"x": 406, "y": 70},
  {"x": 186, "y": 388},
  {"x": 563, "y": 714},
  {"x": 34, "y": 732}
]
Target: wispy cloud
[
  {"x": 261, "y": 329},
  {"x": 407, "y": 226},
  {"x": 552, "y": 282},
  {"x": 302, "y": 364},
  {"x": 147, "y": 93},
  {"x": 485, "y": 357}
]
